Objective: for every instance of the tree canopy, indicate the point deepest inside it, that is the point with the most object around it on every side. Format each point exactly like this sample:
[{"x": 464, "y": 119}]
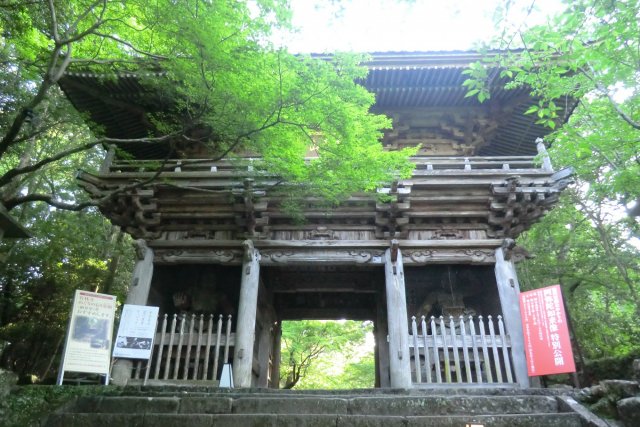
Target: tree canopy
[
  {"x": 214, "y": 66},
  {"x": 326, "y": 354},
  {"x": 588, "y": 54},
  {"x": 213, "y": 63}
]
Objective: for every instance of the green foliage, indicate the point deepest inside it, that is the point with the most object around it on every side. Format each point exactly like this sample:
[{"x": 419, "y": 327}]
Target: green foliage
[
  {"x": 340, "y": 370},
  {"x": 28, "y": 405},
  {"x": 326, "y": 355},
  {"x": 579, "y": 247},
  {"x": 214, "y": 68},
  {"x": 38, "y": 278},
  {"x": 215, "y": 71},
  {"x": 612, "y": 368},
  {"x": 587, "y": 56}
]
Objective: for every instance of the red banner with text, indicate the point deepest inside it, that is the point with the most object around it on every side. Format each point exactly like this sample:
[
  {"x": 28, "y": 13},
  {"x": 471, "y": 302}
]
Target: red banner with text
[{"x": 546, "y": 335}]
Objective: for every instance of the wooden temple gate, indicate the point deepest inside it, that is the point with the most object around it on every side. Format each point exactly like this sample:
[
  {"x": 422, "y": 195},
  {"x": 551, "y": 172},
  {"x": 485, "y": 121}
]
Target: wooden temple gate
[{"x": 214, "y": 238}]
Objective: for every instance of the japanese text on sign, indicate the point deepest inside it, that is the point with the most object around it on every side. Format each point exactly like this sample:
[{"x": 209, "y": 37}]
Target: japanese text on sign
[{"x": 546, "y": 335}]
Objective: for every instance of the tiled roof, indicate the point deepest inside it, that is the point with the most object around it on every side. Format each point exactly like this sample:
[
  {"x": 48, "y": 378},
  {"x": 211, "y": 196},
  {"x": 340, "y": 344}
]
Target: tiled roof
[{"x": 398, "y": 79}]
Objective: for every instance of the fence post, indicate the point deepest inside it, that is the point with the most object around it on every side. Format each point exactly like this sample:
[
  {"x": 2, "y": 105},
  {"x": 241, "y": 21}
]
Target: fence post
[{"x": 509, "y": 292}]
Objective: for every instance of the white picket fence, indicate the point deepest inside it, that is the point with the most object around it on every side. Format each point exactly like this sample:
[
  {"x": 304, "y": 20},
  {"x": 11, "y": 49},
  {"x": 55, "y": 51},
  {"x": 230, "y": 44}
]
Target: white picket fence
[
  {"x": 187, "y": 348},
  {"x": 460, "y": 351}
]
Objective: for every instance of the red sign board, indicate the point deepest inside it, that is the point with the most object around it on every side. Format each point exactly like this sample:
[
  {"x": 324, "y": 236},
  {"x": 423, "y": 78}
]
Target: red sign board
[{"x": 546, "y": 335}]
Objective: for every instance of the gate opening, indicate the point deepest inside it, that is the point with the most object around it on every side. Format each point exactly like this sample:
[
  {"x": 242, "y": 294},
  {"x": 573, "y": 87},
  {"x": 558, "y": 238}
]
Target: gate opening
[{"x": 327, "y": 354}]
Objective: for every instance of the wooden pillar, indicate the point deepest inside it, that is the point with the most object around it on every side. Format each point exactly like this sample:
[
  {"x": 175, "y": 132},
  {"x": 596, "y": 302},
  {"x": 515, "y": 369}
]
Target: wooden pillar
[
  {"x": 381, "y": 332},
  {"x": 138, "y": 294},
  {"x": 264, "y": 352},
  {"x": 509, "y": 291},
  {"x": 542, "y": 152},
  {"x": 108, "y": 160},
  {"x": 142, "y": 274},
  {"x": 276, "y": 355},
  {"x": 246, "y": 320},
  {"x": 397, "y": 321}
]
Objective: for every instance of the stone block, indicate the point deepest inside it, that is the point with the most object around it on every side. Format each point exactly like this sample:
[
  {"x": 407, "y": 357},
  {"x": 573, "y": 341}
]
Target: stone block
[
  {"x": 619, "y": 389},
  {"x": 629, "y": 411},
  {"x": 512, "y": 420},
  {"x": 244, "y": 420},
  {"x": 205, "y": 405},
  {"x": 291, "y": 405},
  {"x": 440, "y": 405},
  {"x": 177, "y": 420},
  {"x": 87, "y": 404},
  {"x": 311, "y": 420},
  {"x": 141, "y": 405},
  {"x": 590, "y": 394},
  {"x": 370, "y": 421},
  {"x": 94, "y": 420},
  {"x": 604, "y": 407}
]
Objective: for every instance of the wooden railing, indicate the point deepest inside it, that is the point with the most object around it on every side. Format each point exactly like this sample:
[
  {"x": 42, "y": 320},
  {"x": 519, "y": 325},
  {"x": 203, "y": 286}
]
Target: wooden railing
[
  {"x": 424, "y": 164},
  {"x": 460, "y": 351},
  {"x": 187, "y": 348}
]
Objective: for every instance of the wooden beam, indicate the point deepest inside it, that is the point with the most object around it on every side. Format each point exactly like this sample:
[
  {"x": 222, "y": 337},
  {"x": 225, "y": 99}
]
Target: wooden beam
[{"x": 326, "y": 244}]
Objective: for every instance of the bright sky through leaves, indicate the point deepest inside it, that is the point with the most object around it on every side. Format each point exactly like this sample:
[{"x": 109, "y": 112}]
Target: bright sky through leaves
[{"x": 386, "y": 25}]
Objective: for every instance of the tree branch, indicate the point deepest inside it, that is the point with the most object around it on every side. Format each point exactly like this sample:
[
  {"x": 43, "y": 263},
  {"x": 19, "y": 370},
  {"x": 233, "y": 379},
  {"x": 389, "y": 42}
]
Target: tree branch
[
  {"x": 135, "y": 49},
  {"x": 47, "y": 198},
  {"x": 607, "y": 93},
  {"x": 10, "y": 174}
]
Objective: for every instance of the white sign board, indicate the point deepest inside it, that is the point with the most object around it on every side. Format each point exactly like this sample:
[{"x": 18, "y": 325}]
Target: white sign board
[
  {"x": 88, "y": 344},
  {"x": 136, "y": 332}
]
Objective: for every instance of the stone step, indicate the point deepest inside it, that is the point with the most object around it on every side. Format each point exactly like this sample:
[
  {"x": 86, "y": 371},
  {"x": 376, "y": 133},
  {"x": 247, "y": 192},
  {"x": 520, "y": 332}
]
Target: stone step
[
  {"x": 246, "y": 408},
  {"x": 370, "y": 405},
  {"x": 442, "y": 391},
  {"x": 308, "y": 420}
]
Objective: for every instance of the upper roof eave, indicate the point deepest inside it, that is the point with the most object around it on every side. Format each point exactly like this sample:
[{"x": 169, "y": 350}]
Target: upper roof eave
[{"x": 423, "y": 59}]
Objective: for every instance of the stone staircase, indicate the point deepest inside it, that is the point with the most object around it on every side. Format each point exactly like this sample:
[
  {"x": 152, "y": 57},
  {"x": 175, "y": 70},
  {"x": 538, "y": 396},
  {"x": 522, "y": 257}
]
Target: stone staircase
[{"x": 347, "y": 408}]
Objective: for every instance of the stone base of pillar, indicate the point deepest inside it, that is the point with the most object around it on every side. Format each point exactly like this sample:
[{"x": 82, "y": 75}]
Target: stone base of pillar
[{"x": 121, "y": 372}]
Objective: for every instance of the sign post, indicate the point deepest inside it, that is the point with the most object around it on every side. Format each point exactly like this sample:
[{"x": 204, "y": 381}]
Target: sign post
[
  {"x": 136, "y": 332},
  {"x": 87, "y": 347},
  {"x": 546, "y": 335}
]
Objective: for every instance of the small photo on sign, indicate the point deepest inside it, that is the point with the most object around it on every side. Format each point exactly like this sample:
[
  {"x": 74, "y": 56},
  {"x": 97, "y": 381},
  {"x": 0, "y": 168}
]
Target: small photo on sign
[
  {"x": 91, "y": 330},
  {"x": 134, "y": 342}
]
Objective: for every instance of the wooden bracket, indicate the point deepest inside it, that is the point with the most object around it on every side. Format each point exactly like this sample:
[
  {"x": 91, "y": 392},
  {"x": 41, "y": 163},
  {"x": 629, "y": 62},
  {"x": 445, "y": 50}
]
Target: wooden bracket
[
  {"x": 249, "y": 252},
  {"x": 393, "y": 253},
  {"x": 141, "y": 248}
]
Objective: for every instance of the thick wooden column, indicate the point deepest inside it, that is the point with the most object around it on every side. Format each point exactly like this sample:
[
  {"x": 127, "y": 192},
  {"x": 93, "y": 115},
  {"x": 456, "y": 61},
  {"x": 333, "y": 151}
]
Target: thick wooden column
[
  {"x": 264, "y": 352},
  {"x": 509, "y": 291},
  {"x": 246, "y": 320},
  {"x": 137, "y": 295},
  {"x": 142, "y": 274},
  {"x": 381, "y": 332},
  {"x": 397, "y": 321},
  {"x": 276, "y": 355}
]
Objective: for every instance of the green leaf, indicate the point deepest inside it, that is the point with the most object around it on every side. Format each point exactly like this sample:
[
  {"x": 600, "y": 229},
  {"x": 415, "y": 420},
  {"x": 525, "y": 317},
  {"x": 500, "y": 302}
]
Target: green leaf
[{"x": 472, "y": 92}]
